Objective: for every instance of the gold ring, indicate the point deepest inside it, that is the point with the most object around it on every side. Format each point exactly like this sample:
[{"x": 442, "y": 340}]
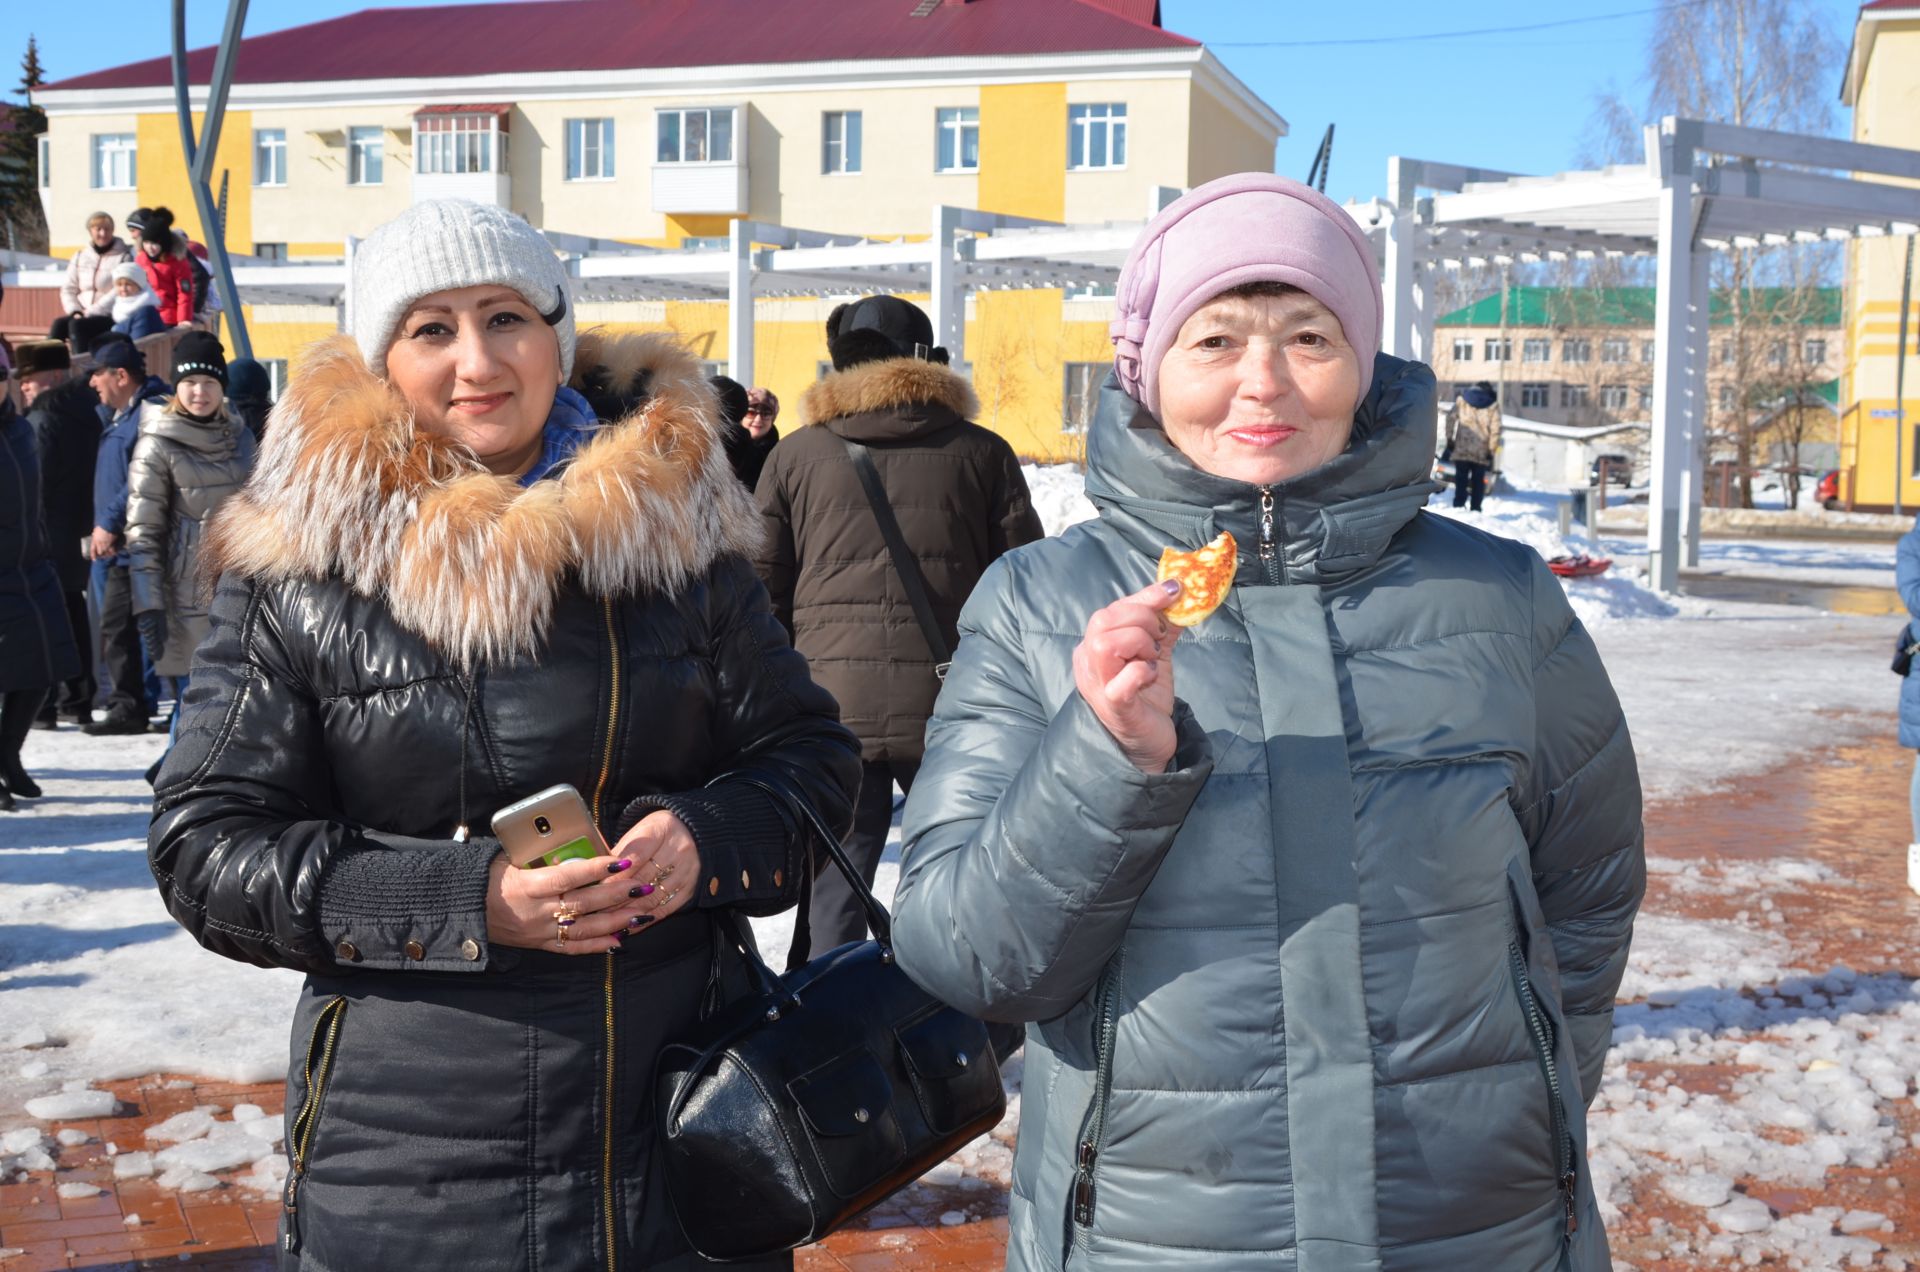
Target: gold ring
[{"x": 564, "y": 916}]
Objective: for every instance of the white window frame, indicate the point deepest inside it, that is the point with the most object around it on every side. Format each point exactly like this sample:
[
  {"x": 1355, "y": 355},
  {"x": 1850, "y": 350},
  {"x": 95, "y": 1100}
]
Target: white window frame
[
  {"x": 44, "y": 150},
  {"x": 957, "y": 122},
  {"x": 1814, "y": 351},
  {"x": 1574, "y": 396},
  {"x": 362, "y": 140},
  {"x": 1104, "y": 123},
  {"x": 1615, "y": 397},
  {"x": 1463, "y": 348},
  {"x": 590, "y": 149},
  {"x": 1499, "y": 349},
  {"x": 1078, "y": 402},
  {"x": 1647, "y": 349},
  {"x": 680, "y": 115},
  {"x": 459, "y": 145},
  {"x": 1576, "y": 345},
  {"x": 1536, "y": 395},
  {"x": 841, "y": 143},
  {"x": 1536, "y": 349},
  {"x": 105, "y": 150},
  {"x": 270, "y": 145},
  {"x": 1616, "y": 349}
]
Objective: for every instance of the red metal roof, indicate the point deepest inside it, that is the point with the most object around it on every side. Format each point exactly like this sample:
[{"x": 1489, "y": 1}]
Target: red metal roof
[{"x": 526, "y": 36}]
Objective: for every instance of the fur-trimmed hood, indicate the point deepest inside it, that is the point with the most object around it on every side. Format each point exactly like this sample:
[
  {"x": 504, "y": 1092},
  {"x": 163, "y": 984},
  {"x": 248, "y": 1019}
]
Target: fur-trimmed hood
[
  {"x": 346, "y": 486},
  {"x": 890, "y": 386}
]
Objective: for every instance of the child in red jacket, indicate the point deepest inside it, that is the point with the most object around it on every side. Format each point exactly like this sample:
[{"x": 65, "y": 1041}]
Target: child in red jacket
[{"x": 169, "y": 271}]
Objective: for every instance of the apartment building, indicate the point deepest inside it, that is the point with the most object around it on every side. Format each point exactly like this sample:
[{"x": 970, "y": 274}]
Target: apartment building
[
  {"x": 659, "y": 124},
  {"x": 1882, "y": 85},
  {"x": 1584, "y": 356}
]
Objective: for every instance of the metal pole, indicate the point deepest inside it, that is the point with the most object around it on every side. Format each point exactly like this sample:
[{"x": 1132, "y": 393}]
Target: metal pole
[
  {"x": 1900, "y": 387},
  {"x": 740, "y": 301},
  {"x": 200, "y": 157},
  {"x": 1674, "y": 276}
]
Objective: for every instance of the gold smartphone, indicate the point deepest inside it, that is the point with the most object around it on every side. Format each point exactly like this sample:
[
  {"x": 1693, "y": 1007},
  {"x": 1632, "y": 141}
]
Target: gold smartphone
[{"x": 548, "y": 827}]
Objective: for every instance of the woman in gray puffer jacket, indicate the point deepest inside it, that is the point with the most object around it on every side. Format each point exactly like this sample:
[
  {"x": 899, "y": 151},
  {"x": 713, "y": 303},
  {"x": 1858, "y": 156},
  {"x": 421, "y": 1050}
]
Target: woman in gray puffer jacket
[
  {"x": 191, "y": 456},
  {"x": 1316, "y": 912}
]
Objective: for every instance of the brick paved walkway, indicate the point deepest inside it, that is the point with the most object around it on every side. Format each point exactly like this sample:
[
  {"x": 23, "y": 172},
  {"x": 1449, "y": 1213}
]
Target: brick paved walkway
[{"x": 1847, "y": 809}]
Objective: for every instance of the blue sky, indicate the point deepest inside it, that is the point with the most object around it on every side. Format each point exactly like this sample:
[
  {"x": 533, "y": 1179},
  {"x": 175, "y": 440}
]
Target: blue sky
[{"x": 1515, "y": 100}]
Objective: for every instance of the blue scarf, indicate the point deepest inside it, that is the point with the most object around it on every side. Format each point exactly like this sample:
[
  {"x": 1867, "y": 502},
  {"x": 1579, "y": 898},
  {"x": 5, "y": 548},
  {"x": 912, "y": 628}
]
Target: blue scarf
[{"x": 569, "y": 424}]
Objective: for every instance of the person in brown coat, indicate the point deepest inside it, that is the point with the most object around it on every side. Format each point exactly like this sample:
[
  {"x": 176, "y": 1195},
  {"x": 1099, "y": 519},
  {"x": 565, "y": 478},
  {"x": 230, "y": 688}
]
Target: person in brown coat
[{"x": 961, "y": 502}]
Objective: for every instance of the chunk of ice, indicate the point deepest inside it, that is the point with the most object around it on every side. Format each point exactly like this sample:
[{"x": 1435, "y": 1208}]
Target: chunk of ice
[{"x": 68, "y": 1106}]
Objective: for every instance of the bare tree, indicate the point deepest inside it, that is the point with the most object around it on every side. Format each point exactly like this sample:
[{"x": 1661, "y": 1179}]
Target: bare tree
[{"x": 1761, "y": 64}]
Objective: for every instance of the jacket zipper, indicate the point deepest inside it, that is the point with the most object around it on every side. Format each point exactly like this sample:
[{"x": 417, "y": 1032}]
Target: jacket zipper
[
  {"x": 26, "y": 579},
  {"x": 1542, "y": 1036},
  {"x": 1093, "y": 1132},
  {"x": 599, "y": 791},
  {"x": 300, "y": 1141},
  {"x": 1269, "y": 546}
]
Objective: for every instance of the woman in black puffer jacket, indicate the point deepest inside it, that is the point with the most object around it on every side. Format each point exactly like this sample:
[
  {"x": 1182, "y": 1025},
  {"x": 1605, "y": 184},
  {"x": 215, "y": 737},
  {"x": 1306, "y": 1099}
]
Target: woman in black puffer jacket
[{"x": 444, "y": 588}]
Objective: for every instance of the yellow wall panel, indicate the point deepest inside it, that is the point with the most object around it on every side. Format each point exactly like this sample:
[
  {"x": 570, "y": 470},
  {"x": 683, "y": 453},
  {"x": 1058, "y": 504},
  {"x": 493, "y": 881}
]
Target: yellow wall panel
[
  {"x": 1015, "y": 346},
  {"x": 1023, "y": 150},
  {"x": 162, "y": 176}
]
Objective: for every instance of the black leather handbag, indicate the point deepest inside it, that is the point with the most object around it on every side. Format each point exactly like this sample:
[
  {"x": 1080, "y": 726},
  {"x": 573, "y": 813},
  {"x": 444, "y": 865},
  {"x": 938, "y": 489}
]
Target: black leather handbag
[{"x": 822, "y": 1092}]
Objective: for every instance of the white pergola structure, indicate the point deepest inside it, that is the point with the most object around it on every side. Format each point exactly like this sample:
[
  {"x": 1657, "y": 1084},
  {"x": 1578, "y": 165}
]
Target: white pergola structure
[
  {"x": 966, "y": 251},
  {"x": 1703, "y": 187}
]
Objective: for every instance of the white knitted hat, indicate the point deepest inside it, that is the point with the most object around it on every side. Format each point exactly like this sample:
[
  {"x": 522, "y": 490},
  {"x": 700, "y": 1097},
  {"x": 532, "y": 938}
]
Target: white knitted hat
[{"x": 443, "y": 244}]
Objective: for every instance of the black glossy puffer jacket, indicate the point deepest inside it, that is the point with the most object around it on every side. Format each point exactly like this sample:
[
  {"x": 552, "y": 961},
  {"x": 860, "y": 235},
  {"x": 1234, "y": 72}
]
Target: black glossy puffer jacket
[{"x": 401, "y": 644}]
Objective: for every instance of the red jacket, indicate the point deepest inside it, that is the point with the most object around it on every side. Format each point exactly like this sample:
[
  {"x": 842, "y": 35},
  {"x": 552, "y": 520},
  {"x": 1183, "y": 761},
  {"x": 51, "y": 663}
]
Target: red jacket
[{"x": 171, "y": 278}]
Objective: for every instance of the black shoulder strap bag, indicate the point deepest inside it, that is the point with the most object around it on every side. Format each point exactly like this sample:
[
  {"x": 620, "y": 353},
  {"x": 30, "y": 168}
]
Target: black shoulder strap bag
[
  {"x": 821, "y": 1092},
  {"x": 903, "y": 563}
]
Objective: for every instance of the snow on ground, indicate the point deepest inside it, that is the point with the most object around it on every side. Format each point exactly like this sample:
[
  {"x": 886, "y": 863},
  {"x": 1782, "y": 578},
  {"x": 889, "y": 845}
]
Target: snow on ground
[{"x": 97, "y": 982}]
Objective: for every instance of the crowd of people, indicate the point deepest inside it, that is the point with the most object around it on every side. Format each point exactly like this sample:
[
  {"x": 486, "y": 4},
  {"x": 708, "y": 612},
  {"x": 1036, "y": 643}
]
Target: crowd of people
[
  {"x": 124, "y": 470},
  {"x": 1311, "y": 914}
]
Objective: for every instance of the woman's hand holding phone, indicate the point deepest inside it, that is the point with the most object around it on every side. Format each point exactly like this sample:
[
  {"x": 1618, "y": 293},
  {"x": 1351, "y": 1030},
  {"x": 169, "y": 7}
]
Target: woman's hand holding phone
[
  {"x": 521, "y": 904},
  {"x": 666, "y": 861},
  {"x": 651, "y": 875}
]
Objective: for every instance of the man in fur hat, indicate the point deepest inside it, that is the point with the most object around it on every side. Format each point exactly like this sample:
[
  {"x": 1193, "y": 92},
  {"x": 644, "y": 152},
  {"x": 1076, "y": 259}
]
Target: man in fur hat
[
  {"x": 63, "y": 413},
  {"x": 956, "y": 491}
]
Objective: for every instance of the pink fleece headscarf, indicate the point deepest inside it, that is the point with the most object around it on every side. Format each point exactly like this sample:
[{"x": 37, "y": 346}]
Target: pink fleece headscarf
[{"x": 1252, "y": 227}]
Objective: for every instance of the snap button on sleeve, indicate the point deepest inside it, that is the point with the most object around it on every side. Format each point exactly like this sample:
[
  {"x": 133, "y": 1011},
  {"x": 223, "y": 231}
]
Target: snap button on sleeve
[
  {"x": 416, "y": 951},
  {"x": 713, "y": 886},
  {"x": 347, "y": 952},
  {"x": 470, "y": 950},
  {"x": 746, "y": 880},
  {"x": 778, "y": 877}
]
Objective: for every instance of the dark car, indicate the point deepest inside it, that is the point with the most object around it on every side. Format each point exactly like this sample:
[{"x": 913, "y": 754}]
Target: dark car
[
  {"x": 1619, "y": 470},
  {"x": 1827, "y": 492}
]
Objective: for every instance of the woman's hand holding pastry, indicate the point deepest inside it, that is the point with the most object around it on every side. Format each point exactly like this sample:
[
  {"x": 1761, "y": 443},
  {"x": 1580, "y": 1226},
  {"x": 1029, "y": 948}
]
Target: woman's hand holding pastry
[{"x": 1123, "y": 667}]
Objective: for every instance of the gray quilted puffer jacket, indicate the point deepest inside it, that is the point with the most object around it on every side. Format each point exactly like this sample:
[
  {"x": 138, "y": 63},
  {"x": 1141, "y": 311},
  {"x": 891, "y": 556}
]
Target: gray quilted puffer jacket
[
  {"x": 1331, "y": 994},
  {"x": 180, "y": 473}
]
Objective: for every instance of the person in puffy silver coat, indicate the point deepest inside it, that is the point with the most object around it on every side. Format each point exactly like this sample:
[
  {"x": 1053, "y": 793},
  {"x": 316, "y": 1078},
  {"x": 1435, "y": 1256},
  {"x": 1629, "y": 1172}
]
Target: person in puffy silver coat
[
  {"x": 1315, "y": 911},
  {"x": 190, "y": 457}
]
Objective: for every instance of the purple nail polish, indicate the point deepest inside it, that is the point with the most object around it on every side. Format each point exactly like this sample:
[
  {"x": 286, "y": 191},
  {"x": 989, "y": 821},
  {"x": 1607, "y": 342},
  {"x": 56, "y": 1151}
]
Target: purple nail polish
[
  {"x": 641, "y": 920},
  {"x": 644, "y": 890},
  {"x": 620, "y": 865},
  {"x": 620, "y": 935},
  {"x": 635, "y": 892},
  {"x": 1171, "y": 587},
  {"x": 635, "y": 921}
]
